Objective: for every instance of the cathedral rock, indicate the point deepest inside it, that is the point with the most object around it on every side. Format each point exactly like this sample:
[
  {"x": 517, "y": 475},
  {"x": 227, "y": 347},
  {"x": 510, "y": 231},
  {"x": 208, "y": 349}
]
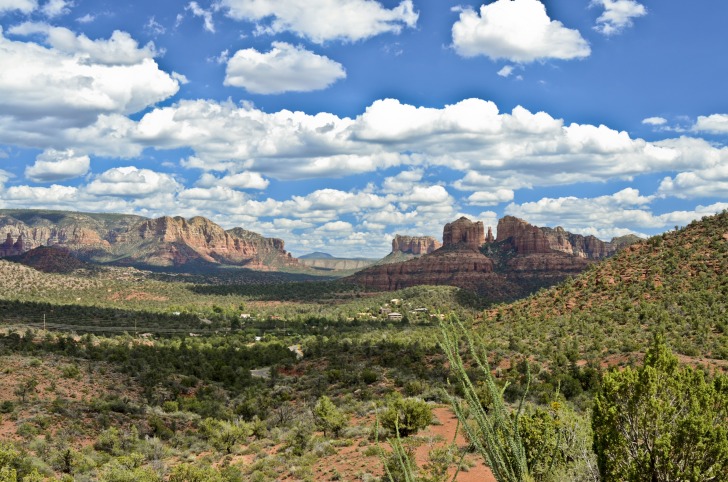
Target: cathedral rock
[
  {"x": 464, "y": 232},
  {"x": 522, "y": 259}
]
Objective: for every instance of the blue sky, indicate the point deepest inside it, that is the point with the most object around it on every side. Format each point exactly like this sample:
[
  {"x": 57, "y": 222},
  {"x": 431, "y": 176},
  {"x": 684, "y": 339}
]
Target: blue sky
[{"x": 335, "y": 124}]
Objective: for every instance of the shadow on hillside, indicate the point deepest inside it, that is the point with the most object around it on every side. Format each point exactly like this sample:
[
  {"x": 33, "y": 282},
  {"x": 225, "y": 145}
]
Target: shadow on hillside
[{"x": 304, "y": 291}]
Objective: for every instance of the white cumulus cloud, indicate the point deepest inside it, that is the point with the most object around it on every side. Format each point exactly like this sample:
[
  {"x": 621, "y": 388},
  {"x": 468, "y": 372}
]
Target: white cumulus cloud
[
  {"x": 708, "y": 176},
  {"x": 323, "y": 20},
  {"x": 493, "y": 149},
  {"x": 713, "y": 124},
  {"x": 490, "y": 198},
  {"x": 131, "y": 182},
  {"x": 242, "y": 180},
  {"x": 506, "y": 71},
  {"x": 617, "y": 15},
  {"x": 70, "y": 86},
  {"x": 119, "y": 49},
  {"x": 517, "y": 30},
  {"x": 655, "y": 121},
  {"x": 53, "y": 166},
  {"x": 285, "y": 68},
  {"x": 25, "y": 6},
  {"x": 56, "y": 8}
]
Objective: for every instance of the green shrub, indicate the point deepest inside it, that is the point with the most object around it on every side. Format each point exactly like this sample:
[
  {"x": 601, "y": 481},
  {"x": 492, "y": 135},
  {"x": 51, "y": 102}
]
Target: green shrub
[
  {"x": 369, "y": 376},
  {"x": 328, "y": 418},
  {"x": 661, "y": 422},
  {"x": 406, "y": 416}
]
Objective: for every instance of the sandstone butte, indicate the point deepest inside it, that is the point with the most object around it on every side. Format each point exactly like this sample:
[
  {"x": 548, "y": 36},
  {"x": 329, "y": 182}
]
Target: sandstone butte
[
  {"x": 522, "y": 259},
  {"x": 417, "y": 245},
  {"x": 165, "y": 241}
]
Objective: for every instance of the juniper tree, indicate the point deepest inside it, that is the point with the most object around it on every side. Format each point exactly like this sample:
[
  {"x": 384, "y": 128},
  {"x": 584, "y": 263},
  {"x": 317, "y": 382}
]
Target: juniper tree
[{"x": 661, "y": 422}]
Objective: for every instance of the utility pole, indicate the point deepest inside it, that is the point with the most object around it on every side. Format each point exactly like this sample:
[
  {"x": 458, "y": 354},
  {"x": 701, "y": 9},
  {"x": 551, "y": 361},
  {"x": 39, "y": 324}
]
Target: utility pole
[{"x": 44, "y": 324}]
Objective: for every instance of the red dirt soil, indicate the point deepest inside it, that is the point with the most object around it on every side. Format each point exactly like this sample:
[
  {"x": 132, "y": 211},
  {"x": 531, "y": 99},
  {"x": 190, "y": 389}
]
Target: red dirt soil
[{"x": 350, "y": 462}]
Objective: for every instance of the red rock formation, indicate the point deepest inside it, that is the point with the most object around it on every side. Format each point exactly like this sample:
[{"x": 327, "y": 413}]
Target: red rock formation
[
  {"x": 417, "y": 245},
  {"x": 457, "y": 263},
  {"x": 525, "y": 238},
  {"x": 461, "y": 267},
  {"x": 162, "y": 241},
  {"x": 464, "y": 232},
  {"x": 523, "y": 259},
  {"x": 489, "y": 238},
  {"x": 10, "y": 248}
]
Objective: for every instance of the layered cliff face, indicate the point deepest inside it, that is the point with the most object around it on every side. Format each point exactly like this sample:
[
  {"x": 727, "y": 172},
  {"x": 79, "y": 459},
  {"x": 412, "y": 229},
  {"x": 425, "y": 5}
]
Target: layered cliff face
[
  {"x": 165, "y": 241},
  {"x": 417, "y": 245},
  {"x": 528, "y": 239},
  {"x": 461, "y": 267},
  {"x": 524, "y": 238}
]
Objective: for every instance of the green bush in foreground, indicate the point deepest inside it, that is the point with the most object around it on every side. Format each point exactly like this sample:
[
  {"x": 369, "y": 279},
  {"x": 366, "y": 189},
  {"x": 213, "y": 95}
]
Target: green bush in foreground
[{"x": 661, "y": 422}]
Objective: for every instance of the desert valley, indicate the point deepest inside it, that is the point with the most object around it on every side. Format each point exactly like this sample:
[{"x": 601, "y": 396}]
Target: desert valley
[
  {"x": 134, "y": 348},
  {"x": 363, "y": 241}
]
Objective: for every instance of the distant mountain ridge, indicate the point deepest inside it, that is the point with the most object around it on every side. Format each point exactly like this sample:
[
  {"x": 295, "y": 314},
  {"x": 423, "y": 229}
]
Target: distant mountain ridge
[
  {"x": 136, "y": 240},
  {"x": 326, "y": 262},
  {"x": 316, "y": 255}
]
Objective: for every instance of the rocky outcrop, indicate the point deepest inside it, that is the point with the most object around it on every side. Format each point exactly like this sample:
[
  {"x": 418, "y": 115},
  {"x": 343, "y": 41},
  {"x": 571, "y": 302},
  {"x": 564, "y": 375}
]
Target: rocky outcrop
[
  {"x": 489, "y": 238},
  {"x": 526, "y": 239},
  {"x": 523, "y": 237},
  {"x": 458, "y": 262},
  {"x": 12, "y": 248},
  {"x": 165, "y": 241},
  {"x": 417, "y": 245},
  {"x": 521, "y": 260},
  {"x": 52, "y": 260},
  {"x": 464, "y": 232}
]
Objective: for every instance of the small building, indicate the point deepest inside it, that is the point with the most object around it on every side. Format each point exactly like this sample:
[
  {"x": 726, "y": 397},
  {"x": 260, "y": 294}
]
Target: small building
[
  {"x": 394, "y": 316},
  {"x": 244, "y": 316},
  {"x": 384, "y": 310}
]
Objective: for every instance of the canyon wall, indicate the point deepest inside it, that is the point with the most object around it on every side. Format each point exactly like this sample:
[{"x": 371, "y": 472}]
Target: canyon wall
[{"x": 165, "y": 241}]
